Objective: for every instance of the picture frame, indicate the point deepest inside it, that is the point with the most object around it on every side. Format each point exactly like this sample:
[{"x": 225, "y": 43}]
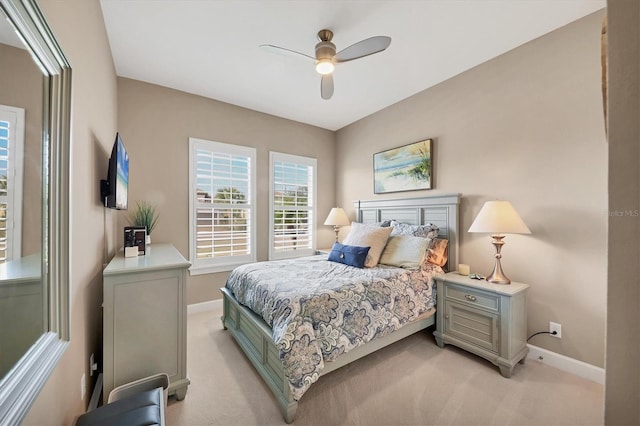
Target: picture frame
[
  {"x": 405, "y": 168},
  {"x": 140, "y": 239},
  {"x": 136, "y": 236}
]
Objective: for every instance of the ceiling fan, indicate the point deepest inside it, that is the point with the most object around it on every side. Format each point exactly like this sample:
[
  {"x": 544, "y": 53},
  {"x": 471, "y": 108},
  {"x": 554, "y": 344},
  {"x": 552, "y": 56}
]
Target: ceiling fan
[{"x": 326, "y": 57}]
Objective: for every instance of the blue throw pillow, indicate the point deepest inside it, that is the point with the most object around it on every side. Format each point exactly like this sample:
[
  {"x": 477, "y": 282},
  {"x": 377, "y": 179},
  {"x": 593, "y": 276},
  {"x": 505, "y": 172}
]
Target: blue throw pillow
[{"x": 349, "y": 255}]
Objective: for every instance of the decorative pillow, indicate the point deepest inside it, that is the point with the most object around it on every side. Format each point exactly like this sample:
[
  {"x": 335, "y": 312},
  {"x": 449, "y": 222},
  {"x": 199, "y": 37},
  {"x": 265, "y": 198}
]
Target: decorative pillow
[
  {"x": 349, "y": 255},
  {"x": 437, "y": 252},
  {"x": 382, "y": 224},
  {"x": 405, "y": 251},
  {"x": 425, "y": 231},
  {"x": 374, "y": 237}
]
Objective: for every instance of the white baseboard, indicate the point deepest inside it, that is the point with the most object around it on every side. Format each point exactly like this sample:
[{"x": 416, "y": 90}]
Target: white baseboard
[
  {"x": 197, "y": 308},
  {"x": 564, "y": 363}
]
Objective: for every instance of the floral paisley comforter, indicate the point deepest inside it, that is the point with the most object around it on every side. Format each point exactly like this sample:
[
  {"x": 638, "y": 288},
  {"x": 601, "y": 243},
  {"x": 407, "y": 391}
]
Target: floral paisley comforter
[{"x": 319, "y": 309}]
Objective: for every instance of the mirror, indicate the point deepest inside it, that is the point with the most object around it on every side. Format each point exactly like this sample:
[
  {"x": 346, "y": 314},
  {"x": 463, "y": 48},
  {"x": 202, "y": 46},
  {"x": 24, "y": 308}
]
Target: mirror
[
  {"x": 21, "y": 284},
  {"x": 35, "y": 82}
]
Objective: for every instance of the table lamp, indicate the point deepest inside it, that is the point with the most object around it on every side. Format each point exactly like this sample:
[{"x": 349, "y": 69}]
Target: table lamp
[
  {"x": 337, "y": 217},
  {"x": 497, "y": 218}
]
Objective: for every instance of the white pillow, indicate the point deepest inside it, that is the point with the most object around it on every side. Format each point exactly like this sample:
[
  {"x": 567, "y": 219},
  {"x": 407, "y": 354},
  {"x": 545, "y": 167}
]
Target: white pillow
[
  {"x": 405, "y": 251},
  {"x": 368, "y": 236}
]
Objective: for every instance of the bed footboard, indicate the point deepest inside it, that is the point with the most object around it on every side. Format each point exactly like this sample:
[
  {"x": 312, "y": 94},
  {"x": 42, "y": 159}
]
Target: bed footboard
[{"x": 255, "y": 339}]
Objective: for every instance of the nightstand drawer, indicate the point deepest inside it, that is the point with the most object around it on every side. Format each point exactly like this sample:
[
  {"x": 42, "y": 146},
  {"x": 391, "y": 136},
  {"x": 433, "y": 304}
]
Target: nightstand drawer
[
  {"x": 472, "y": 325},
  {"x": 472, "y": 297}
]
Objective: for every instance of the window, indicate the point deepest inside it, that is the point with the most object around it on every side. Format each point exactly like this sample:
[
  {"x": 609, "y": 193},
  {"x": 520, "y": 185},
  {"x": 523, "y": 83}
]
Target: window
[
  {"x": 221, "y": 206},
  {"x": 293, "y": 200},
  {"x": 11, "y": 158}
]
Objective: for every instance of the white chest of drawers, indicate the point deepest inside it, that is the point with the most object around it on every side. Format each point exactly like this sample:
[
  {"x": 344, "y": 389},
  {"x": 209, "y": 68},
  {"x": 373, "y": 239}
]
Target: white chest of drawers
[{"x": 145, "y": 322}]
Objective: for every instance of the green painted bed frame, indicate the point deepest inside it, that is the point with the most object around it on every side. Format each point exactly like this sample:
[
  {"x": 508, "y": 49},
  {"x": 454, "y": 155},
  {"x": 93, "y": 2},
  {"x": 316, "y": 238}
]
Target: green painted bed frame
[{"x": 254, "y": 336}]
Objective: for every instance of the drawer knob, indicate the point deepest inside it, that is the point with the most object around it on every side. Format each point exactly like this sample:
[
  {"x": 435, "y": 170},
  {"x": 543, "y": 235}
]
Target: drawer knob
[
  {"x": 470, "y": 297},
  {"x": 446, "y": 317}
]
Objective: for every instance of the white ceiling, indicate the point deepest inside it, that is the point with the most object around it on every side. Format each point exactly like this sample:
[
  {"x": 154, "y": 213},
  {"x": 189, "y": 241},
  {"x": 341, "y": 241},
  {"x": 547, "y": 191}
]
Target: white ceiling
[{"x": 210, "y": 47}]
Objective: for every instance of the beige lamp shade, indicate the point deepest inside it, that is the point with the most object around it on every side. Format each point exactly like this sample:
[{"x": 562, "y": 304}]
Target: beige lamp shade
[
  {"x": 499, "y": 217},
  {"x": 337, "y": 217}
]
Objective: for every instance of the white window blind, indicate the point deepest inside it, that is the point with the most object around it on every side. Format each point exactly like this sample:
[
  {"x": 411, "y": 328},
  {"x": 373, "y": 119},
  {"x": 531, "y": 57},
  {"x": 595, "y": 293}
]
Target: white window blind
[
  {"x": 293, "y": 200},
  {"x": 222, "y": 205},
  {"x": 11, "y": 158}
]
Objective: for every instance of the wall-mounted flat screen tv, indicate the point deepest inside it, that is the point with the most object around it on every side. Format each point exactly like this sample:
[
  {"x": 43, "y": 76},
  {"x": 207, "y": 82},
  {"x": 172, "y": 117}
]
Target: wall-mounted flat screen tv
[{"x": 114, "y": 191}]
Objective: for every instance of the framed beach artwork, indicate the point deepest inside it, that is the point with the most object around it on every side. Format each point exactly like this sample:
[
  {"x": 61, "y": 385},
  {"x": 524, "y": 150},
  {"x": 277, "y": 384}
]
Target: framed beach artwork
[{"x": 406, "y": 168}]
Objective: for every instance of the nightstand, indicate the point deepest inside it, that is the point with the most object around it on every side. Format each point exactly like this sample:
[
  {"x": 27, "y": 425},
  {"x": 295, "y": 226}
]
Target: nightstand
[{"x": 489, "y": 320}]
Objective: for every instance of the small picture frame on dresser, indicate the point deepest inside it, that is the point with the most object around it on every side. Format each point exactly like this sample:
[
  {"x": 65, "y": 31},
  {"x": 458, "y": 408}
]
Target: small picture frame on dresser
[
  {"x": 140, "y": 238},
  {"x": 136, "y": 236}
]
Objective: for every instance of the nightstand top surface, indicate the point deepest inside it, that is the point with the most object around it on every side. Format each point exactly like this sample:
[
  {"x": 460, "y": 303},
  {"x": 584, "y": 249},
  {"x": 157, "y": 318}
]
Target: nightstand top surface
[{"x": 508, "y": 289}]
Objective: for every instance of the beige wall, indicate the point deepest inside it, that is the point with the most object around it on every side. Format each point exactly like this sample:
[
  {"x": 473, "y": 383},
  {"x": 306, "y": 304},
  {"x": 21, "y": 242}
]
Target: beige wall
[
  {"x": 79, "y": 27},
  {"x": 156, "y": 123},
  {"x": 22, "y": 87},
  {"x": 622, "y": 388},
  {"x": 526, "y": 127}
]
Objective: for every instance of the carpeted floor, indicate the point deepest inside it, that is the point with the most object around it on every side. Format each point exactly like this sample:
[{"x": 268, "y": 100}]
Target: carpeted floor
[{"x": 412, "y": 382}]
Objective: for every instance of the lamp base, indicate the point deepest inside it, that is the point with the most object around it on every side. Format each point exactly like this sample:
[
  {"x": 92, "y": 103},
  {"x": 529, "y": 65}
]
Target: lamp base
[{"x": 497, "y": 276}]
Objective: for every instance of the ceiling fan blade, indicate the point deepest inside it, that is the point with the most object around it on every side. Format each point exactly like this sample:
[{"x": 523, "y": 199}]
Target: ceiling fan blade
[
  {"x": 363, "y": 48},
  {"x": 326, "y": 86},
  {"x": 287, "y": 52}
]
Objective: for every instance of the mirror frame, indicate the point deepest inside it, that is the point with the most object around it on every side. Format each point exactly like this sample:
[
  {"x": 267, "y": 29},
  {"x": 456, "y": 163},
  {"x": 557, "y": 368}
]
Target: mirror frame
[{"x": 21, "y": 385}]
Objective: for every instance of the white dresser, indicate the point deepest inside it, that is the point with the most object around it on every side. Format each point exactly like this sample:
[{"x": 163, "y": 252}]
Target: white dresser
[{"x": 145, "y": 319}]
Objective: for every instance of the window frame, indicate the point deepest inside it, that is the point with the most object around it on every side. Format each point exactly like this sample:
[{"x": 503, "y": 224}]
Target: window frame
[
  {"x": 295, "y": 159},
  {"x": 228, "y": 263},
  {"x": 14, "y": 179}
]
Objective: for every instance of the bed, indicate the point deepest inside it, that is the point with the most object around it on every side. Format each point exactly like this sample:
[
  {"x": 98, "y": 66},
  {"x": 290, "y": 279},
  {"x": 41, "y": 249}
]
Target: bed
[{"x": 258, "y": 340}]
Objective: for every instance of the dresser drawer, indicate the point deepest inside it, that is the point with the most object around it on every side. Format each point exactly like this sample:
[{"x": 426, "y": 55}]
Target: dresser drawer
[
  {"x": 472, "y": 325},
  {"x": 472, "y": 297}
]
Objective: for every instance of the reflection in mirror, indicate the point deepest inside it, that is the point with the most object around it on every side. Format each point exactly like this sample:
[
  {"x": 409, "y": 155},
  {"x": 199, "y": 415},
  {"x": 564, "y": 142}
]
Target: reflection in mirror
[
  {"x": 35, "y": 94},
  {"x": 22, "y": 307}
]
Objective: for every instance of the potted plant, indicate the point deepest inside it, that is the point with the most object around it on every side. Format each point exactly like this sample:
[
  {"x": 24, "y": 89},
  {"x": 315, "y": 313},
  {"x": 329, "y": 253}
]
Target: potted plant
[{"x": 144, "y": 215}]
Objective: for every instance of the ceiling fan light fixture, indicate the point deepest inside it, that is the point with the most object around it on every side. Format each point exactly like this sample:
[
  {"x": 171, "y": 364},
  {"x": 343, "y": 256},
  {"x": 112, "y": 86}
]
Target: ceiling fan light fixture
[
  {"x": 325, "y": 66},
  {"x": 326, "y": 57}
]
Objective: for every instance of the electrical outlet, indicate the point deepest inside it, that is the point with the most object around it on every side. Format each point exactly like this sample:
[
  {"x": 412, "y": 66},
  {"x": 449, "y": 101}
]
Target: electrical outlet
[
  {"x": 83, "y": 386},
  {"x": 554, "y": 326}
]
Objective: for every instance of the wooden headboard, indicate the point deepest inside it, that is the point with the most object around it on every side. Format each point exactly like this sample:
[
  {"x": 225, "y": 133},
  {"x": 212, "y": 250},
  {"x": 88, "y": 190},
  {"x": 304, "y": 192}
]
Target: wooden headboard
[{"x": 440, "y": 210}]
